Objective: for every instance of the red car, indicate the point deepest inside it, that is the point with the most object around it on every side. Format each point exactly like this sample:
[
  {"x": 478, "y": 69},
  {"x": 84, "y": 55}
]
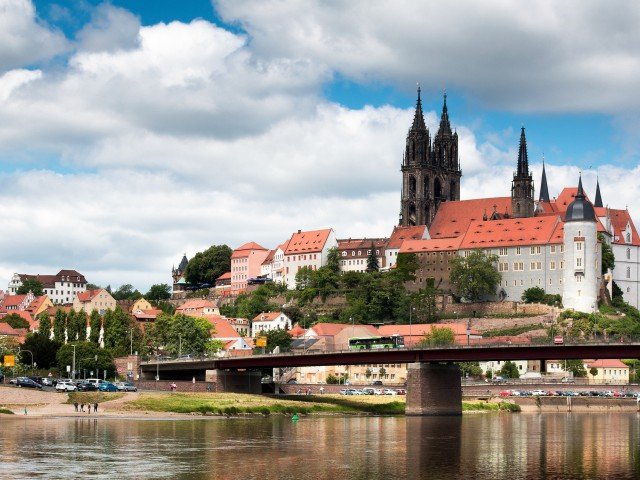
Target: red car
[{"x": 505, "y": 393}]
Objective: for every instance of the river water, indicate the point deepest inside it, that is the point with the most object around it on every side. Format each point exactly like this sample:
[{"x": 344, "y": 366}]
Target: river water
[{"x": 476, "y": 446}]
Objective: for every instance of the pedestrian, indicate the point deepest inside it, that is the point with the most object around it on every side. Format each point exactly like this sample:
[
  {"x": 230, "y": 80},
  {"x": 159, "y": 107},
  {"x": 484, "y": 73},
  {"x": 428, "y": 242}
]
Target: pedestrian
[
  {"x": 95, "y": 408},
  {"x": 75, "y": 404},
  {"x": 82, "y": 407},
  {"x": 321, "y": 390},
  {"x": 88, "y": 408}
]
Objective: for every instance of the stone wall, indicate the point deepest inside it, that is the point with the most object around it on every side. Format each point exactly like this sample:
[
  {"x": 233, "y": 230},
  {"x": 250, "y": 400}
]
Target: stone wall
[
  {"x": 497, "y": 308},
  {"x": 128, "y": 365},
  {"x": 182, "y": 386}
]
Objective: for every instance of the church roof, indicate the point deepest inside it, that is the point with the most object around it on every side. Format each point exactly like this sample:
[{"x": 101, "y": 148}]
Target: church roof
[
  {"x": 431, "y": 245},
  {"x": 581, "y": 209},
  {"x": 453, "y": 218},
  {"x": 183, "y": 263},
  {"x": 418, "y": 117},
  {"x": 598, "y": 200},
  {"x": 445, "y": 126},
  {"x": 402, "y": 233},
  {"x": 523, "y": 158},
  {"x": 544, "y": 189}
]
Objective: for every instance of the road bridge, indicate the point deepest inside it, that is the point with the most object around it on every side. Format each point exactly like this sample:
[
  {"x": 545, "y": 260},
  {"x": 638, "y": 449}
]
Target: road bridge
[{"x": 433, "y": 380}]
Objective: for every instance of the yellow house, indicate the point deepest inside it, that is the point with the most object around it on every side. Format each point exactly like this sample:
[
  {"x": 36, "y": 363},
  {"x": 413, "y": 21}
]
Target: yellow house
[
  {"x": 141, "y": 304},
  {"x": 98, "y": 299},
  {"x": 608, "y": 371},
  {"x": 40, "y": 304}
]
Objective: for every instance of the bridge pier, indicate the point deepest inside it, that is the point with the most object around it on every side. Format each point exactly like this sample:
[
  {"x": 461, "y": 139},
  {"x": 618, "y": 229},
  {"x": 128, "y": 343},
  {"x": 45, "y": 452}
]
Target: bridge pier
[
  {"x": 433, "y": 389},
  {"x": 233, "y": 381}
]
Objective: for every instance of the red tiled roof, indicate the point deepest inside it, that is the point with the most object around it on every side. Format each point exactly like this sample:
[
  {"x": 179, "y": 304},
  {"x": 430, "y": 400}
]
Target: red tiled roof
[
  {"x": 432, "y": 245},
  {"x": 13, "y": 300},
  {"x": 223, "y": 328},
  {"x": 267, "y": 317},
  {"x": 88, "y": 295},
  {"x": 25, "y": 315},
  {"x": 619, "y": 220},
  {"x": 269, "y": 257},
  {"x": 401, "y": 233},
  {"x": 297, "y": 331},
  {"x": 423, "y": 328},
  {"x": 512, "y": 232},
  {"x": 606, "y": 363},
  {"x": 333, "y": 329},
  {"x": 195, "y": 303},
  {"x": 37, "y": 302},
  {"x": 453, "y": 218},
  {"x": 244, "y": 250},
  {"x": 351, "y": 243},
  {"x": 6, "y": 329},
  {"x": 224, "y": 276},
  {"x": 306, "y": 242}
]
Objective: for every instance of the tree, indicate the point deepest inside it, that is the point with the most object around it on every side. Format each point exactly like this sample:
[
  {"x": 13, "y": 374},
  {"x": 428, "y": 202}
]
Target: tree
[
  {"x": 372, "y": 259},
  {"x": 576, "y": 367},
  {"x": 126, "y": 292},
  {"x": 509, "y": 370},
  {"x": 15, "y": 321},
  {"x": 95, "y": 322},
  {"x": 475, "y": 276},
  {"x": 181, "y": 334},
  {"x": 93, "y": 286},
  {"x": 333, "y": 260},
  {"x": 438, "y": 337},
  {"x": 406, "y": 266},
  {"x": 89, "y": 357},
  {"x": 206, "y": 266},
  {"x": 59, "y": 326},
  {"x": 470, "y": 369},
  {"x": 76, "y": 326},
  {"x": 424, "y": 303},
  {"x": 593, "y": 371},
  {"x": 121, "y": 332},
  {"x": 30, "y": 285},
  {"x": 608, "y": 258},
  {"x": 279, "y": 338},
  {"x": 44, "y": 324},
  {"x": 44, "y": 350},
  {"x": 304, "y": 278},
  {"x": 158, "y": 292},
  {"x": 533, "y": 295}
]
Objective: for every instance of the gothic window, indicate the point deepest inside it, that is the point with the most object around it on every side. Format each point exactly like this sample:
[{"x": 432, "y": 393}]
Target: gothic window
[
  {"x": 628, "y": 254},
  {"x": 437, "y": 189},
  {"x": 412, "y": 186},
  {"x": 452, "y": 191},
  {"x": 628, "y": 237},
  {"x": 628, "y": 272},
  {"x": 412, "y": 214},
  {"x": 426, "y": 190}
]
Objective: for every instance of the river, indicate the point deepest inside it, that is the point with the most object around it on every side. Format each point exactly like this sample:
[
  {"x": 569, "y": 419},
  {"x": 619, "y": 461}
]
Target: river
[{"x": 477, "y": 446}]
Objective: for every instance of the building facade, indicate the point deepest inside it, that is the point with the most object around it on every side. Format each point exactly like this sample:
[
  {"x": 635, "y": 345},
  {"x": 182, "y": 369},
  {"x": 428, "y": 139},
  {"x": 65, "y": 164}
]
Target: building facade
[
  {"x": 307, "y": 249},
  {"x": 61, "y": 288},
  {"x": 246, "y": 263}
]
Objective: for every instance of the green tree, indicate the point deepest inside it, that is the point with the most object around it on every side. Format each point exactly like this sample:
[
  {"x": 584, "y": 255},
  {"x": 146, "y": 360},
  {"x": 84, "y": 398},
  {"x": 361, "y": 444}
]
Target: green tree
[
  {"x": 30, "y": 285},
  {"x": 333, "y": 260},
  {"x": 424, "y": 303},
  {"x": 121, "y": 332},
  {"x": 509, "y": 370},
  {"x": 93, "y": 286},
  {"x": 126, "y": 292},
  {"x": 95, "y": 321},
  {"x": 608, "y": 258},
  {"x": 158, "y": 292},
  {"x": 44, "y": 350},
  {"x": 470, "y": 369},
  {"x": 76, "y": 326},
  {"x": 157, "y": 335},
  {"x": 59, "y": 326},
  {"x": 44, "y": 324},
  {"x": 576, "y": 367},
  {"x": 533, "y": 295},
  {"x": 206, "y": 266},
  {"x": 15, "y": 321},
  {"x": 475, "y": 276},
  {"x": 406, "y": 266},
  {"x": 372, "y": 259},
  {"x": 188, "y": 335},
  {"x": 89, "y": 357},
  {"x": 279, "y": 338},
  {"x": 593, "y": 371},
  {"x": 304, "y": 278},
  {"x": 438, "y": 337}
]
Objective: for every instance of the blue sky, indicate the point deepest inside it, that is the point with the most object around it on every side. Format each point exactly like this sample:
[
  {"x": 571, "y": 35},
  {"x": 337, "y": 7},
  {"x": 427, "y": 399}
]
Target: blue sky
[{"x": 134, "y": 131}]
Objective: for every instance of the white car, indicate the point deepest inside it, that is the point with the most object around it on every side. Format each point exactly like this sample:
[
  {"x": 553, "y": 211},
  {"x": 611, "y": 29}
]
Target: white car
[
  {"x": 65, "y": 387},
  {"x": 539, "y": 393},
  {"x": 388, "y": 391}
]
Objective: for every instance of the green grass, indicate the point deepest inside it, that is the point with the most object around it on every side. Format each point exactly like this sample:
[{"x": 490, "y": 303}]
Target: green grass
[
  {"x": 5, "y": 410},
  {"x": 513, "y": 330},
  {"x": 93, "y": 397},
  {"x": 484, "y": 406}
]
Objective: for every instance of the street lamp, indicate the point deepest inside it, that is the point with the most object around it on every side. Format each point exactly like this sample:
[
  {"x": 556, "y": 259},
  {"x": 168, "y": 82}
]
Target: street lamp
[
  {"x": 30, "y": 352},
  {"x": 411, "y": 310},
  {"x": 73, "y": 364}
]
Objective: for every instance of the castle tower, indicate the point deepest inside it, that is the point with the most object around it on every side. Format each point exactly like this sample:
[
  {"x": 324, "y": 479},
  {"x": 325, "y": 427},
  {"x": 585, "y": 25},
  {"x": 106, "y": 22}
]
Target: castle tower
[
  {"x": 430, "y": 175},
  {"x": 581, "y": 255},
  {"x": 522, "y": 185}
]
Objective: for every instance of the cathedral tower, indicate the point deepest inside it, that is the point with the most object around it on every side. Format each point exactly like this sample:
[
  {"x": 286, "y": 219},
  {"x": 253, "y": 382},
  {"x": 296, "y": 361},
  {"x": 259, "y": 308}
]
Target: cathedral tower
[
  {"x": 430, "y": 173},
  {"x": 522, "y": 185}
]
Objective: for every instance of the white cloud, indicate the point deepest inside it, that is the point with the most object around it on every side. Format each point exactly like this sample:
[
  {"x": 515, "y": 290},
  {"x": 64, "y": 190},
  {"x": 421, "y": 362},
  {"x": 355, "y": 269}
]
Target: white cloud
[
  {"x": 111, "y": 28},
  {"x": 23, "y": 40}
]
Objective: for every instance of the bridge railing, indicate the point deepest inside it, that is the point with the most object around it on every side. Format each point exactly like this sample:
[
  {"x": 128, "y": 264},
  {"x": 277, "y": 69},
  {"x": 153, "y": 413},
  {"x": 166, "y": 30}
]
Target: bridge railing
[{"x": 344, "y": 348}]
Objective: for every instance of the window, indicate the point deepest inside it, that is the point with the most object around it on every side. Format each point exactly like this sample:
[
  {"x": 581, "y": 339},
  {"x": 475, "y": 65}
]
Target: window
[
  {"x": 561, "y": 248},
  {"x": 628, "y": 272},
  {"x": 503, "y": 251},
  {"x": 518, "y": 251},
  {"x": 344, "y": 254},
  {"x": 628, "y": 254},
  {"x": 579, "y": 262},
  {"x": 561, "y": 264},
  {"x": 503, "y": 266},
  {"x": 553, "y": 249},
  {"x": 628, "y": 237},
  {"x": 578, "y": 246},
  {"x": 552, "y": 265}
]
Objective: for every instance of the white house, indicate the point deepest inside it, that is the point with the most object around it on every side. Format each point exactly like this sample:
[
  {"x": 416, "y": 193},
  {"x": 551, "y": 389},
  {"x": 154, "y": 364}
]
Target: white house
[
  {"x": 307, "y": 249},
  {"x": 266, "y": 322},
  {"x": 61, "y": 288}
]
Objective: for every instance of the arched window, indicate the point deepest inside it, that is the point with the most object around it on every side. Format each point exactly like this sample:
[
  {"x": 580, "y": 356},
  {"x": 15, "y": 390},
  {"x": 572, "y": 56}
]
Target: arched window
[
  {"x": 452, "y": 191},
  {"x": 437, "y": 189},
  {"x": 628, "y": 272},
  {"x": 628, "y": 254},
  {"x": 426, "y": 187},
  {"x": 628, "y": 237},
  {"x": 412, "y": 186}
]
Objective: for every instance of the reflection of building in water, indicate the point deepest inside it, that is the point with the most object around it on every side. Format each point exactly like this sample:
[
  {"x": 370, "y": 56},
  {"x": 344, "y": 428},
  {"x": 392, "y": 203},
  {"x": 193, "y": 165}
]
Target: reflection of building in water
[{"x": 434, "y": 447}]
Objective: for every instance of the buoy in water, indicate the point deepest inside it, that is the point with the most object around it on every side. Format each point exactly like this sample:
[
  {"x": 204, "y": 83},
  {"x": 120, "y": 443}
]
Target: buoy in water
[{"x": 295, "y": 417}]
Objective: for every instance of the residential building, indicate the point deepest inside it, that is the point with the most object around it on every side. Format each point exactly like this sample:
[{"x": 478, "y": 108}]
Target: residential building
[
  {"x": 415, "y": 333},
  {"x": 198, "y": 307},
  {"x": 266, "y": 322},
  {"x": 495, "y": 366},
  {"x": 434, "y": 257},
  {"x": 399, "y": 235},
  {"x": 241, "y": 325},
  {"x": 61, "y": 288},
  {"x": 611, "y": 371},
  {"x": 141, "y": 304},
  {"x": 246, "y": 263},
  {"x": 234, "y": 343},
  {"x": 99, "y": 300},
  {"x": 354, "y": 253},
  {"x": 307, "y": 249}
]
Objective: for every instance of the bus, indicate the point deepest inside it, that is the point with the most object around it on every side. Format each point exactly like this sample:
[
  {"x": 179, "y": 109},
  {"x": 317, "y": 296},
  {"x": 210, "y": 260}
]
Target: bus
[{"x": 376, "y": 343}]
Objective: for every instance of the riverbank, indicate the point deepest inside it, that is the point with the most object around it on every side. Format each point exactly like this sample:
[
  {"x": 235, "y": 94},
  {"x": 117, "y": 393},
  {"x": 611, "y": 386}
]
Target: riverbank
[{"x": 177, "y": 405}]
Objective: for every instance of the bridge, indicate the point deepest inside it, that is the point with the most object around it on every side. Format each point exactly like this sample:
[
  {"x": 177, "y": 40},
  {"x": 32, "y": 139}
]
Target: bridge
[{"x": 433, "y": 380}]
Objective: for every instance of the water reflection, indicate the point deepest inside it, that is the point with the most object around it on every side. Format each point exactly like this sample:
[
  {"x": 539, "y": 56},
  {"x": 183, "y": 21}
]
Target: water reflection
[{"x": 484, "y": 446}]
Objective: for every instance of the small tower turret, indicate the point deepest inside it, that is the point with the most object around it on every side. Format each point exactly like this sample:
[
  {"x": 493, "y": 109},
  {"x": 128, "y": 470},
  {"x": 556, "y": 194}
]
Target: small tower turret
[{"x": 522, "y": 185}]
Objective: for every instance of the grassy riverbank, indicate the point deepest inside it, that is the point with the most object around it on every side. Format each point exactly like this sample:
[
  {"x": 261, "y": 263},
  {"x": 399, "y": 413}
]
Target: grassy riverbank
[
  {"x": 93, "y": 397},
  {"x": 235, "y": 404}
]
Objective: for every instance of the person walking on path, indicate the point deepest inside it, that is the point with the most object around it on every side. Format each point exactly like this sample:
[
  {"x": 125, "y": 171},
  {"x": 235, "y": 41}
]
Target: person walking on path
[
  {"x": 82, "y": 407},
  {"x": 75, "y": 404},
  {"x": 95, "y": 408}
]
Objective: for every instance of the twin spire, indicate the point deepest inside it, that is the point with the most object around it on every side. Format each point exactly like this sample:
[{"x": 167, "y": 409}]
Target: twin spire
[
  {"x": 418, "y": 118},
  {"x": 523, "y": 158}
]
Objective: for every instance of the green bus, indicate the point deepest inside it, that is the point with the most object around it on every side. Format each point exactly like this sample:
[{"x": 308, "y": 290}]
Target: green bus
[{"x": 376, "y": 343}]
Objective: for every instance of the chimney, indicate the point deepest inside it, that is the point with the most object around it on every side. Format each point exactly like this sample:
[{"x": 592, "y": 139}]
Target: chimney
[{"x": 299, "y": 231}]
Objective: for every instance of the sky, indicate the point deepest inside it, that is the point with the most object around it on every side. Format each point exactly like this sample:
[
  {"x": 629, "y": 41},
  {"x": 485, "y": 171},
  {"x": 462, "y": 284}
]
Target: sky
[{"x": 132, "y": 132}]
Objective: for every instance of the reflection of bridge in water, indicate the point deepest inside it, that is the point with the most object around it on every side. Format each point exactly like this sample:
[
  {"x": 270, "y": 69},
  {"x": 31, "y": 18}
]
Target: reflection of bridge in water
[{"x": 433, "y": 380}]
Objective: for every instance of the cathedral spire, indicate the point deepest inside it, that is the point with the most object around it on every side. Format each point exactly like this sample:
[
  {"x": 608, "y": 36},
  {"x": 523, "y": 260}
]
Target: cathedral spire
[
  {"x": 523, "y": 159},
  {"x": 544, "y": 189},
  {"x": 598, "y": 202},
  {"x": 445, "y": 126},
  {"x": 418, "y": 118}
]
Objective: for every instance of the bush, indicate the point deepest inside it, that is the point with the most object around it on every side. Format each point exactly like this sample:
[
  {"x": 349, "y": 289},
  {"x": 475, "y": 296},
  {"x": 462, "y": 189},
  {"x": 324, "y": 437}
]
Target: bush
[{"x": 533, "y": 295}]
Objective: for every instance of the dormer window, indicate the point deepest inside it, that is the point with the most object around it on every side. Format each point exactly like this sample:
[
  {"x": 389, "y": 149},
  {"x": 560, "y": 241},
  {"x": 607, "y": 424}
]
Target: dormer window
[{"x": 628, "y": 237}]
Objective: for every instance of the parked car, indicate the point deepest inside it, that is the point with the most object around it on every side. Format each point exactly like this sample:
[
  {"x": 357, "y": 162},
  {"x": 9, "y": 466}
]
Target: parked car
[
  {"x": 376, "y": 382},
  {"x": 388, "y": 391},
  {"x": 67, "y": 386},
  {"x": 505, "y": 393},
  {"x": 107, "y": 387},
  {"x": 401, "y": 391},
  {"x": 568, "y": 380},
  {"x": 27, "y": 383},
  {"x": 47, "y": 382},
  {"x": 38, "y": 380},
  {"x": 86, "y": 387},
  {"x": 498, "y": 380},
  {"x": 95, "y": 381},
  {"x": 539, "y": 393},
  {"x": 126, "y": 387},
  {"x": 368, "y": 391}
]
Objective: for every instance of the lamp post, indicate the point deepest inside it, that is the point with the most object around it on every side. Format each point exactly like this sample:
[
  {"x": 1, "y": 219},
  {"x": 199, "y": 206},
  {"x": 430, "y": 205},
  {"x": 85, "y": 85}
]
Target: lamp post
[
  {"x": 31, "y": 353},
  {"x": 411, "y": 310},
  {"x": 73, "y": 364},
  {"x": 131, "y": 342}
]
